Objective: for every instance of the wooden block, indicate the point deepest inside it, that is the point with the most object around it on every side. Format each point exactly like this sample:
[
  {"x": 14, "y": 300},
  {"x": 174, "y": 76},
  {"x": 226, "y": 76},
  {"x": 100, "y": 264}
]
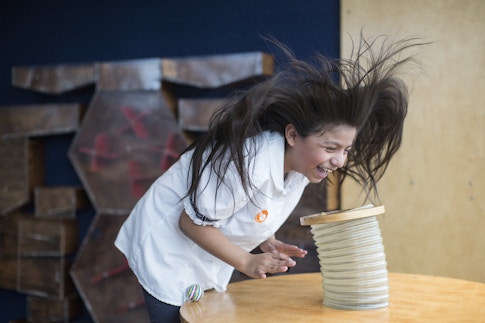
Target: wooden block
[
  {"x": 131, "y": 75},
  {"x": 8, "y": 242},
  {"x": 9, "y": 232},
  {"x": 39, "y": 238},
  {"x": 9, "y": 249},
  {"x": 8, "y": 236},
  {"x": 8, "y": 272},
  {"x": 59, "y": 202},
  {"x": 216, "y": 70},
  {"x": 194, "y": 114},
  {"x": 123, "y": 129},
  {"x": 55, "y": 79},
  {"x": 45, "y": 277},
  {"x": 21, "y": 169},
  {"x": 42, "y": 309},
  {"x": 109, "y": 288},
  {"x": 35, "y": 120}
]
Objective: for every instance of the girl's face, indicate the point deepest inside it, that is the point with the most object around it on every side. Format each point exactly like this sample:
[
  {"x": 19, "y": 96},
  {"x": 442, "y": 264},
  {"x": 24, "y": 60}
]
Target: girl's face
[{"x": 318, "y": 155}]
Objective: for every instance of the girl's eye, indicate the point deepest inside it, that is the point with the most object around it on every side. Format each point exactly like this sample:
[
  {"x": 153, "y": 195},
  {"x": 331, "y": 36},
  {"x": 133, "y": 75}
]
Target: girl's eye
[{"x": 330, "y": 149}]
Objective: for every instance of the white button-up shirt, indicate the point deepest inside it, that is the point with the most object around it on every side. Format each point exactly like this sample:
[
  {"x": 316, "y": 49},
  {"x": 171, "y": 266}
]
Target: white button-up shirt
[{"x": 166, "y": 262}]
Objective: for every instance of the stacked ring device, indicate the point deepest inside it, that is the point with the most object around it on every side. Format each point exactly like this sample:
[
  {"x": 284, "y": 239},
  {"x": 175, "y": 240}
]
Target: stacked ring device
[{"x": 352, "y": 258}]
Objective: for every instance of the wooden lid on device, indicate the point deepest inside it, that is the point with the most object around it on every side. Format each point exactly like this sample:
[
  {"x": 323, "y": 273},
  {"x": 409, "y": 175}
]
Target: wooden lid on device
[{"x": 342, "y": 215}]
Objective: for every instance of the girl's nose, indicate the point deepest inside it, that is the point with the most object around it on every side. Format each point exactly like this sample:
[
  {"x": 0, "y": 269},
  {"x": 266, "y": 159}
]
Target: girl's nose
[{"x": 338, "y": 160}]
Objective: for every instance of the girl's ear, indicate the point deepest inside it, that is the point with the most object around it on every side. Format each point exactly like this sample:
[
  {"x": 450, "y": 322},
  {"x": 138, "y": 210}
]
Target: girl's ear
[{"x": 290, "y": 134}]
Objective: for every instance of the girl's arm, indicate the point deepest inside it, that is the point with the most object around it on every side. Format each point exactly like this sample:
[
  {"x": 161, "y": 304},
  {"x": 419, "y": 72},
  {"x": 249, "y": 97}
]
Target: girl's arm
[{"x": 213, "y": 241}]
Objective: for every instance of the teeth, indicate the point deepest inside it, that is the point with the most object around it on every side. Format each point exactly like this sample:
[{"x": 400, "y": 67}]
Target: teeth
[{"x": 326, "y": 170}]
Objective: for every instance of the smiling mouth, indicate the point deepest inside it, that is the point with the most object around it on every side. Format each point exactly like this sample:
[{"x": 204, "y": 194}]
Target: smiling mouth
[{"x": 323, "y": 172}]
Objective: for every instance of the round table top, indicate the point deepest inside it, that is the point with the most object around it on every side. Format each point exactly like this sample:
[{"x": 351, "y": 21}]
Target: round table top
[{"x": 298, "y": 298}]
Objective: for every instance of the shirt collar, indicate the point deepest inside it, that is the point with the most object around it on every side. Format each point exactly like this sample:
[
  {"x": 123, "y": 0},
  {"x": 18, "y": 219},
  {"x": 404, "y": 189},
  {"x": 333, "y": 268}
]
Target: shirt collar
[{"x": 277, "y": 158}]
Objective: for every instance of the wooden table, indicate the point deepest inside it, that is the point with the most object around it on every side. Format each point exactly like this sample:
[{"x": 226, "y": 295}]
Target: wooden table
[{"x": 298, "y": 298}]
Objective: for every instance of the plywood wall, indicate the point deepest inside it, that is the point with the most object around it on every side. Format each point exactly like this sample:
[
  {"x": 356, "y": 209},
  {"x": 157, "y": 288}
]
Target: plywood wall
[{"x": 434, "y": 191}]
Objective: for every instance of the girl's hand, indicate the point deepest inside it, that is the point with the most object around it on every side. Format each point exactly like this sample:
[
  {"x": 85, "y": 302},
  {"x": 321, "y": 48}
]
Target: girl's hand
[
  {"x": 276, "y": 258},
  {"x": 273, "y": 245},
  {"x": 258, "y": 265}
]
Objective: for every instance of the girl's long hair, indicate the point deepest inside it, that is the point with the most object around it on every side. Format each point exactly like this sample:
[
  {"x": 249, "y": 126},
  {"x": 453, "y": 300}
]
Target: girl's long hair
[{"x": 362, "y": 91}]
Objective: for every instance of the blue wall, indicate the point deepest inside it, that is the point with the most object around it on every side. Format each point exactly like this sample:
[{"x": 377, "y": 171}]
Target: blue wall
[{"x": 59, "y": 31}]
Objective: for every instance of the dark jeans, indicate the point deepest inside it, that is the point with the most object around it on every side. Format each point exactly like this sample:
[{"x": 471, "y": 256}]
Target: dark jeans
[{"x": 160, "y": 312}]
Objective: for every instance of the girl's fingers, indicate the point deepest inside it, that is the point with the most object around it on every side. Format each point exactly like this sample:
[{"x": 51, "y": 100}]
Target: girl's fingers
[{"x": 284, "y": 260}]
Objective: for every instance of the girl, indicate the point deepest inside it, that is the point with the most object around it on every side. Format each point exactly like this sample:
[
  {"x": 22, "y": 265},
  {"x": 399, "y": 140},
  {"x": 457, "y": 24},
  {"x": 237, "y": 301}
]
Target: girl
[{"x": 232, "y": 189}]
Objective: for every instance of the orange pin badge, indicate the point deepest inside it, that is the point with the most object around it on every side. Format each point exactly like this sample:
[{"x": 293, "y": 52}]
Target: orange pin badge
[{"x": 261, "y": 216}]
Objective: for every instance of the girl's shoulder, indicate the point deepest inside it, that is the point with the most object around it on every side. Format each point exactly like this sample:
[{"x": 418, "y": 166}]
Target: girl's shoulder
[
  {"x": 265, "y": 146},
  {"x": 270, "y": 139},
  {"x": 268, "y": 155}
]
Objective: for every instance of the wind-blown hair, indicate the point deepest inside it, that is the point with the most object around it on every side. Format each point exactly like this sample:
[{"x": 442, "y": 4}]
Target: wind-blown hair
[
  {"x": 378, "y": 99},
  {"x": 315, "y": 97}
]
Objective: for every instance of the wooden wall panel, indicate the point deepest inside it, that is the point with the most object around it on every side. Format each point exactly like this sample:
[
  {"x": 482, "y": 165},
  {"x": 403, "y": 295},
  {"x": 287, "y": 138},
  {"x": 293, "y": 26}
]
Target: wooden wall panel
[{"x": 434, "y": 189}]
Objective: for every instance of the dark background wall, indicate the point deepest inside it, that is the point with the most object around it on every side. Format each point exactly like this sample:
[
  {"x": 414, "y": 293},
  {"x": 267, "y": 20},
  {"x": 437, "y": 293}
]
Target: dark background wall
[{"x": 57, "y": 31}]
